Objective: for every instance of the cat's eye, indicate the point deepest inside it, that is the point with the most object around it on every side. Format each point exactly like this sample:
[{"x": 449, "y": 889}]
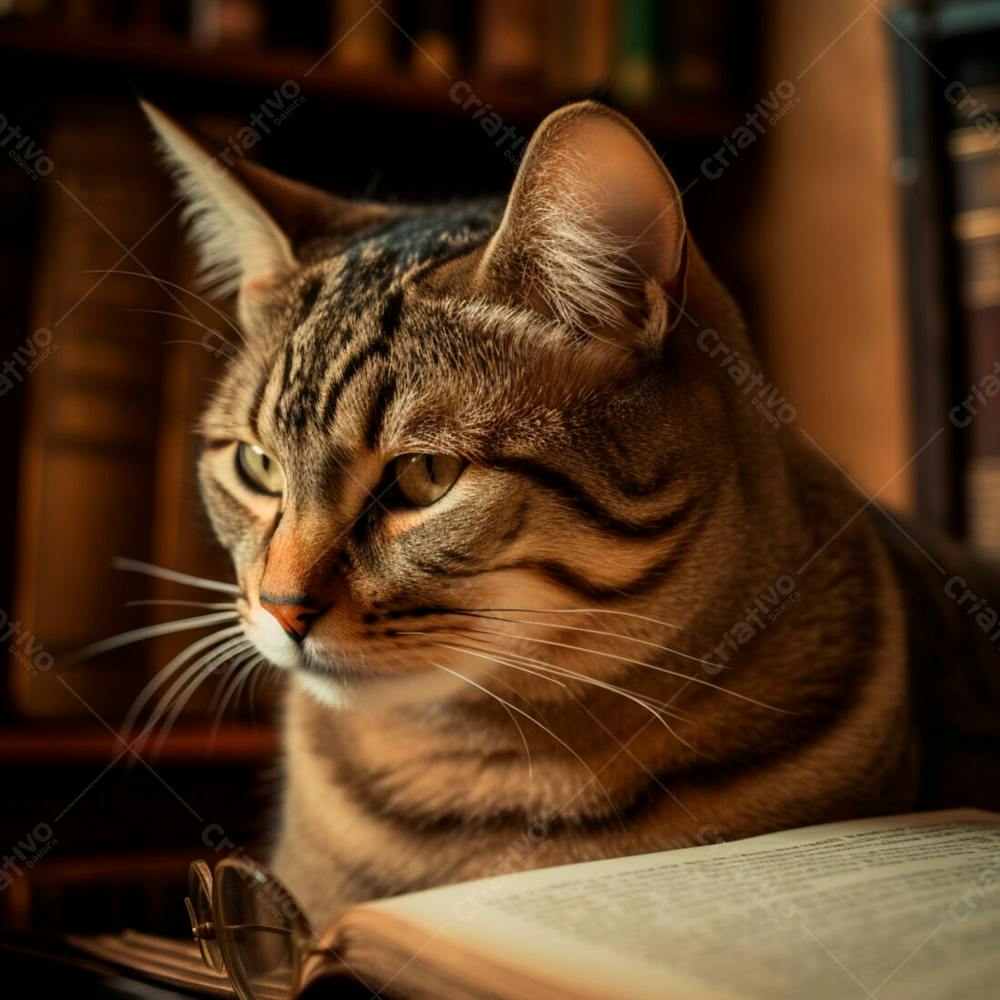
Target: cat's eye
[
  {"x": 259, "y": 470},
  {"x": 424, "y": 479}
]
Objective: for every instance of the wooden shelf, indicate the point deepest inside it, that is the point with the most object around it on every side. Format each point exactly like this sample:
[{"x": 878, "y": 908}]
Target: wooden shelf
[
  {"x": 144, "y": 57},
  {"x": 79, "y": 743}
]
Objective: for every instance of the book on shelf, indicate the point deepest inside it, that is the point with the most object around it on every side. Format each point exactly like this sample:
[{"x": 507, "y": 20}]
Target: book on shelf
[
  {"x": 91, "y": 413},
  {"x": 19, "y": 197},
  {"x": 639, "y": 35},
  {"x": 647, "y": 49},
  {"x": 302, "y": 25},
  {"x": 121, "y": 367},
  {"x": 902, "y": 906},
  {"x": 200, "y": 339},
  {"x": 511, "y": 41},
  {"x": 361, "y": 38},
  {"x": 580, "y": 45},
  {"x": 975, "y": 159},
  {"x": 702, "y": 59},
  {"x": 436, "y": 36},
  {"x": 227, "y": 22}
]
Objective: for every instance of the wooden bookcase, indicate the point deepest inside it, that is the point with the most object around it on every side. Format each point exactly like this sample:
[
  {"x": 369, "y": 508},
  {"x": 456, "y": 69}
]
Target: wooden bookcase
[
  {"x": 94, "y": 838},
  {"x": 380, "y": 135},
  {"x": 942, "y": 50}
]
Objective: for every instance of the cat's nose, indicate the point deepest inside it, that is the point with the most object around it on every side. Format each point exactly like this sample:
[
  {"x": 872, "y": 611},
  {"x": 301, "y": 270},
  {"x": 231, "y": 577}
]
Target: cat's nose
[{"x": 292, "y": 615}]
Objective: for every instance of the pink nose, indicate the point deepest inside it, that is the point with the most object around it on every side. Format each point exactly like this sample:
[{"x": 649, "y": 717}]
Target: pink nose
[{"x": 295, "y": 618}]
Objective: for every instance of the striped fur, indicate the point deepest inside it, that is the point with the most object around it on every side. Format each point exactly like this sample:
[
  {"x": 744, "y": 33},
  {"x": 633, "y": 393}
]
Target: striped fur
[{"x": 527, "y": 672}]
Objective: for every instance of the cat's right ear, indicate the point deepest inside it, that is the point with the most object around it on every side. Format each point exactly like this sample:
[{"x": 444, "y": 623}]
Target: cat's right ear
[
  {"x": 252, "y": 227},
  {"x": 594, "y": 234}
]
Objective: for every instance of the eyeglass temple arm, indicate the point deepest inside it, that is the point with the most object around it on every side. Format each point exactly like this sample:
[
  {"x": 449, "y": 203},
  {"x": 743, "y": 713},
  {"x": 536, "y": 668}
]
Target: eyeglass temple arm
[
  {"x": 204, "y": 931},
  {"x": 267, "y": 928}
]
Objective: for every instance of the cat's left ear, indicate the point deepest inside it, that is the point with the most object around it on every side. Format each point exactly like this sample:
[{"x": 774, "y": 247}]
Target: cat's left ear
[
  {"x": 593, "y": 234},
  {"x": 252, "y": 227}
]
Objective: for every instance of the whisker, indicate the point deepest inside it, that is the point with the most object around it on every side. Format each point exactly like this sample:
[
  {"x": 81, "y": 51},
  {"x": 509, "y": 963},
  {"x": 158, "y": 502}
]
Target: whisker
[
  {"x": 181, "y": 604},
  {"x": 162, "y": 675},
  {"x": 635, "y": 697},
  {"x": 241, "y": 683},
  {"x": 497, "y": 660},
  {"x": 181, "y": 288},
  {"x": 190, "y": 343},
  {"x": 255, "y": 677},
  {"x": 255, "y": 660},
  {"x": 647, "y": 700},
  {"x": 640, "y": 663},
  {"x": 662, "y": 706},
  {"x": 208, "y": 663},
  {"x": 545, "y": 729},
  {"x": 187, "y": 319},
  {"x": 582, "y": 611},
  {"x": 138, "y": 566},
  {"x": 225, "y": 641},
  {"x": 468, "y": 635},
  {"x": 151, "y": 632},
  {"x": 230, "y": 691},
  {"x": 597, "y": 631},
  {"x": 231, "y": 669},
  {"x": 506, "y": 707}
]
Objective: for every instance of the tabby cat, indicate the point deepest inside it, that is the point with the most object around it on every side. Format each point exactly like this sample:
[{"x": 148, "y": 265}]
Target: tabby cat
[{"x": 548, "y": 584}]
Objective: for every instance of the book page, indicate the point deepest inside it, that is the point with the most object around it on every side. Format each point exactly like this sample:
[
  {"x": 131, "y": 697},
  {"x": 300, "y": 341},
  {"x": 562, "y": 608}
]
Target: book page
[{"x": 901, "y": 907}]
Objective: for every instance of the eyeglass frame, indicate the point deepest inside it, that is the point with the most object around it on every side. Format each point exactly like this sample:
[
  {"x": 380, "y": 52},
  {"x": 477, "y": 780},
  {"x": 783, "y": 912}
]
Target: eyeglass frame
[{"x": 300, "y": 933}]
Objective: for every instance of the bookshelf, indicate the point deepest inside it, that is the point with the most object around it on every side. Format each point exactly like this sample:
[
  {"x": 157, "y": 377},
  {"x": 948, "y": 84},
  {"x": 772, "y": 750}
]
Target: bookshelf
[
  {"x": 390, "y": 132},
  {"x": 109, "y": 838},
  {"x": 108, "y": 57},
  {"x": 947, "y": 76},
  {"x": 234, "y": 742}
]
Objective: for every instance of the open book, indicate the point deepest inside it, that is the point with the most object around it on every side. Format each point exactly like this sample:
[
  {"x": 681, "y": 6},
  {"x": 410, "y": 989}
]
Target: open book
[{"x": 905, "y": 906}]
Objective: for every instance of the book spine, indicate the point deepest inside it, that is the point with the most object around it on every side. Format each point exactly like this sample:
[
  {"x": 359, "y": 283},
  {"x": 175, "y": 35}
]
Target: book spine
[
  {"x": 19, "y": 196},
  {"x": 636, "y": 56},
  {"x": 579, "y": 45},
  {"x": 511, "y": 41},
  {"x": 361, "y": 36},
  {"x": 202, "y": 340},
  {"x": 697, "y": 34},
  {"x": 596, "y": 39},
  {"x": 227, "y": 22},
  {"x": 976, "y": 168},
  {"x": 437, "y": 37},
  {"x": 302, "y": 25},
  {"x": 199, "y": 346},
  {"x": 90, "y": 434}
]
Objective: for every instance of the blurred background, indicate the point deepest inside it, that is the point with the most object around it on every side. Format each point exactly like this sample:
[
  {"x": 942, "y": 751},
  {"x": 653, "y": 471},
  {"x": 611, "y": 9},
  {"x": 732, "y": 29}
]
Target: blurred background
[{"x": 839, "y": 163}]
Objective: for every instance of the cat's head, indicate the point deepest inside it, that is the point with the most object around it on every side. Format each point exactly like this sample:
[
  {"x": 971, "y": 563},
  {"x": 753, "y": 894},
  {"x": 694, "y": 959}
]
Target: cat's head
[{"x": 444, "y": 423}]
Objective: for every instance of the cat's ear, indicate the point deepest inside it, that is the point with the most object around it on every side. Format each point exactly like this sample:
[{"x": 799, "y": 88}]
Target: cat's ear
[
  {"x": 251, "y": 226},
  {"x": 593, "y": 234}
]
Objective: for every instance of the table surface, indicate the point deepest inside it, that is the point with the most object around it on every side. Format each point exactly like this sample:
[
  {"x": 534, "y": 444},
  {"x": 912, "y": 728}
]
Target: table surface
[{"x": 49, "y": 967}]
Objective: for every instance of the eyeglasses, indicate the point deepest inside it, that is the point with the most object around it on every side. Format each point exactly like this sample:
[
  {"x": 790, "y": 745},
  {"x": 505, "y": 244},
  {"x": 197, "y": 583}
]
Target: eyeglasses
[{"x": 248, "y": 925}]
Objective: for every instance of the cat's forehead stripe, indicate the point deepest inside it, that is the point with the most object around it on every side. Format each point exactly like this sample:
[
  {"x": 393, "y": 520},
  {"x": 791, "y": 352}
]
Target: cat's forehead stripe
[
  {"x": 380, "y": 406},
  {"x": 349, "y": 315},
  {"x": 376, "y": 349}
]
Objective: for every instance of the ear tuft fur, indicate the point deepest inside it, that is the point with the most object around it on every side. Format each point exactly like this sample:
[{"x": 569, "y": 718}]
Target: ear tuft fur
[
  {"x": 576, "y": 265},
  {"x": 239, "y": 245},
  {"x": 593, "y": 234}
]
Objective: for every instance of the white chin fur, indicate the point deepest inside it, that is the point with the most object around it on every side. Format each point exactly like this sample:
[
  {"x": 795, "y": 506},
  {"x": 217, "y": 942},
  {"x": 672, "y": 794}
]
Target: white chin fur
[
  {"x": 325, "y": 690},
  {"x": 378, "y": 694},
  {"x": 271, "y": 640}
]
